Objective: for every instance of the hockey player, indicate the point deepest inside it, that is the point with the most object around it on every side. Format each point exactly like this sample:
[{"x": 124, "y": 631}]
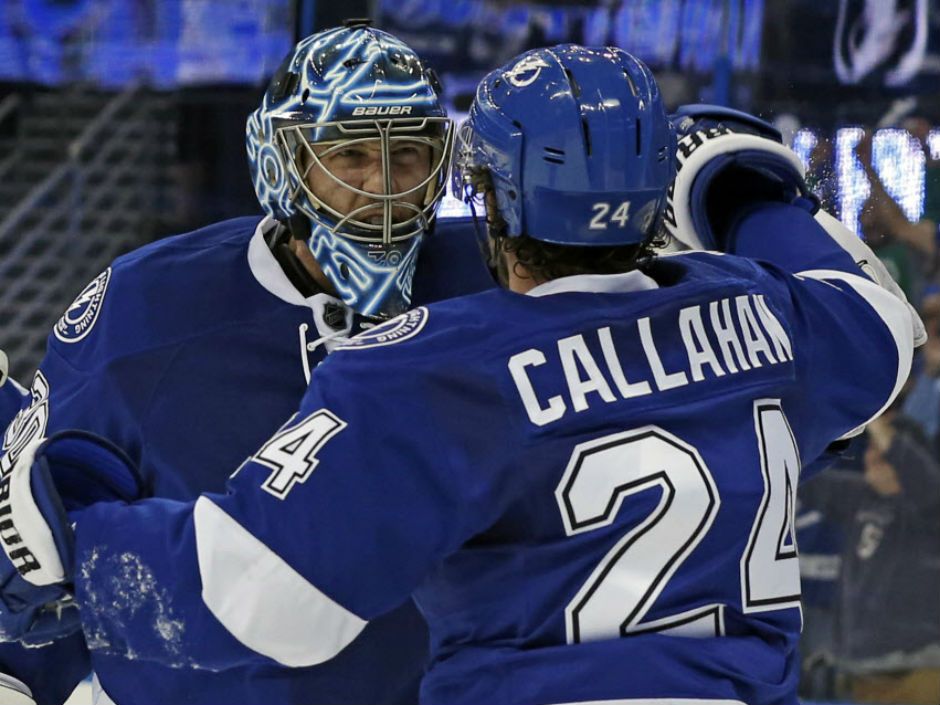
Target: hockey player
[
  {"x": 188, "y": 353},
  {"x": 586, "y": 480}
]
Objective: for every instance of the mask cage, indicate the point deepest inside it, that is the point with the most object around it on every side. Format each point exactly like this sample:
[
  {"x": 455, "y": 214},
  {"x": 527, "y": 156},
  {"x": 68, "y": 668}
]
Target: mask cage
[{"x": 436, "y": 132}]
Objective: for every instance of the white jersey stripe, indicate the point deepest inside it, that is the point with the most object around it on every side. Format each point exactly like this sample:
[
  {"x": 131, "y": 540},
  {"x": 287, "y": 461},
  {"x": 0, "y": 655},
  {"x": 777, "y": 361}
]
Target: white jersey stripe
[
  {"x": 265, "y": 604},
  {"x": 896, "y": 317}
]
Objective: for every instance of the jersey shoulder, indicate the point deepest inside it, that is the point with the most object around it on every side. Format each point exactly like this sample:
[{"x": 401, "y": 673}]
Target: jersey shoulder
[
  {"x": 710, "y": 267},
  {"x": 430, "y": 331},
  {"x": 451, "y": 263},
  {"x": 466, "y": 330},
  {"x": 160, "y": 293},
  {"x": 211, "y": 244}
]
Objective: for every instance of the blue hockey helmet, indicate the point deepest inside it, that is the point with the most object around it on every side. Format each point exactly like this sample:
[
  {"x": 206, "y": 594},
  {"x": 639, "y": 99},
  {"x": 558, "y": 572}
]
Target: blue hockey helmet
[
  {"x": 354, "y": 110},
  {"x": 576, "y": 144}
]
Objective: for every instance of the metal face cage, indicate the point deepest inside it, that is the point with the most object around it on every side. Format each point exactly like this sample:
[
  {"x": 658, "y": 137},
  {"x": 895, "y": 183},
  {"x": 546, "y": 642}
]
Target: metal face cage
[{"x": 400, "y": 218}]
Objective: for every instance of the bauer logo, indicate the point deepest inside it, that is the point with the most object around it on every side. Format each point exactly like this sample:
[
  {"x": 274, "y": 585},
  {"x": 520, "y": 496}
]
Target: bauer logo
[
  {"x": 382, "y": 110},
  {"x": 405, "y": 326},
  {"x": 80, "y": 317}
]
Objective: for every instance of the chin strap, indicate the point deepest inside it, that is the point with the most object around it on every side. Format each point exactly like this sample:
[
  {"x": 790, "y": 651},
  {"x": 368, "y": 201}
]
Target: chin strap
[{"x": 279, "y": 240}]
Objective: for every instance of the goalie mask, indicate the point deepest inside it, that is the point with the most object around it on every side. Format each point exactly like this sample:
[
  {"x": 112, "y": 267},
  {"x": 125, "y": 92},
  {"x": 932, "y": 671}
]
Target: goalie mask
[{"x": 351, "y": 147}]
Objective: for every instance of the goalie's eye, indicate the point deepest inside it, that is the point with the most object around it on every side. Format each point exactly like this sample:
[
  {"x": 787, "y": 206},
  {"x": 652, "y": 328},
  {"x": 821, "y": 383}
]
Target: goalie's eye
[
  {"x": 350, "y": 153},
  {"x": 410, "y": 153}
]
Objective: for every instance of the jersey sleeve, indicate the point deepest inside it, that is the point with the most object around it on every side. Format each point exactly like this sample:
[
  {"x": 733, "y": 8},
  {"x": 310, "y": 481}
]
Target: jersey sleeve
[
  {"x": 851, "y": 339},
  {"x": 332, "y": 522},
  {"x": 89, "y": 377},
  {"x": 789, "y": 238},
  {"x": 12, "y": 398}
]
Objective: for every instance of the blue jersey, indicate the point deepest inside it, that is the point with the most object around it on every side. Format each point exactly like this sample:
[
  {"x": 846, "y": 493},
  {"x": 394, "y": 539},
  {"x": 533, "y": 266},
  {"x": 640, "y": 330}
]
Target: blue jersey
[
  {"x": 589, "y": 490},
  {"x": 189, "y": 353},
  {"x": 12, "y": 397}
]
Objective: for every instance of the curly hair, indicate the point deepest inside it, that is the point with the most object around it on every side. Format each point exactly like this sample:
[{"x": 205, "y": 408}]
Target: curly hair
[{"x": 543, "y": 261}]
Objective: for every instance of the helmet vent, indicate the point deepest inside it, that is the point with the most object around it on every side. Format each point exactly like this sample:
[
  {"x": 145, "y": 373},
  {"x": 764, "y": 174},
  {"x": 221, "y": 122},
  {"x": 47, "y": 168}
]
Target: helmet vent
[
  {"x": 554, "y": 155},
  {"x": 587, "y": 135},
  {"x": 639, "y": 139},
  {"x": 287, "y": 86},
  {"x": 306, "y": 94},
  {"x": 575, "y": 87},
  {"x": 352, "y": 63}
]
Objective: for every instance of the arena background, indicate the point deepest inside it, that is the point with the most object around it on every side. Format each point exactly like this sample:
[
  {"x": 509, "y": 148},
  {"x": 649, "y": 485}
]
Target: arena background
[{"x": 122, "y": 121}]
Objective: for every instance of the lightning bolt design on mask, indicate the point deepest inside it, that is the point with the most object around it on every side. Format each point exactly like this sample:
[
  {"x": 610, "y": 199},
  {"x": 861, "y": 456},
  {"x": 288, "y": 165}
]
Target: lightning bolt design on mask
[
  {"x": 337, "y": 71},
  {"x": 370, "y": 279}
]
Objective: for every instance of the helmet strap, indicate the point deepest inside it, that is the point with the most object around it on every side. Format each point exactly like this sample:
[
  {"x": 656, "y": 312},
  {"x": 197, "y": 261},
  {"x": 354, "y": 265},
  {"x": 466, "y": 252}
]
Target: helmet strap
[
  {"x": 299, "y": 227},
  {"x": 279, "y": 243}
]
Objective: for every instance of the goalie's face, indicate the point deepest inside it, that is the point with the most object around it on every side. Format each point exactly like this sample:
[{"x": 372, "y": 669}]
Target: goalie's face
[
  {"x": 369, "y": 189},
  {"x": 344, "y": 174}
]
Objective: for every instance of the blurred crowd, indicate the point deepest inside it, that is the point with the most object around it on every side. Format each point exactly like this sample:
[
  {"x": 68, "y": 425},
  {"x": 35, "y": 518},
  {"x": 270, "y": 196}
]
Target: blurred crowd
[{"x": 869, "y": 528}]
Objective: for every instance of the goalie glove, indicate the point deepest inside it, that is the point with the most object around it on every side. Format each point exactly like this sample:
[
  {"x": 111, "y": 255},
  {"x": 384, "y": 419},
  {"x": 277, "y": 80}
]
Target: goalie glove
[
  {"x": 49, "y": 485},
  {"x": 730, "y": 162}
]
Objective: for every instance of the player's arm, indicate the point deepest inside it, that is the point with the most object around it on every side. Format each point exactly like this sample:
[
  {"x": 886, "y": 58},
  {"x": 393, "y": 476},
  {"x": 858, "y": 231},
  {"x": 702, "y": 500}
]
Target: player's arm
[
  {"x": 852, "y": 347},
  {"x": 72, "y": 388},
  {"x": 739, "y": 190},
  {"x": 334, "y": 521}
]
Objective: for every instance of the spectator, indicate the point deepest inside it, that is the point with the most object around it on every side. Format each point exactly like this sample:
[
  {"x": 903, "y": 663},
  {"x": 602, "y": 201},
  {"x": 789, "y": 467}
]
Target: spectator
[
  {"x": 887, "y": 502},
  {"x": 821, "y": 177},
  {"x": 922, "y": 401},
  {"x": 886, "y": 215},
  {"x": 889, "y": 233}
]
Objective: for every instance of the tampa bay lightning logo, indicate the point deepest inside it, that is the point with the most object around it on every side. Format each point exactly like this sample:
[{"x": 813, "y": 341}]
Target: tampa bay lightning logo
[
  {"x": 397, "y": 330},
  {"x": 526, "y": 71},
  {"x": 369, "y": 279},
  {"x": 884, "y": 38},
  {"x": 80, "y": 317}
]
